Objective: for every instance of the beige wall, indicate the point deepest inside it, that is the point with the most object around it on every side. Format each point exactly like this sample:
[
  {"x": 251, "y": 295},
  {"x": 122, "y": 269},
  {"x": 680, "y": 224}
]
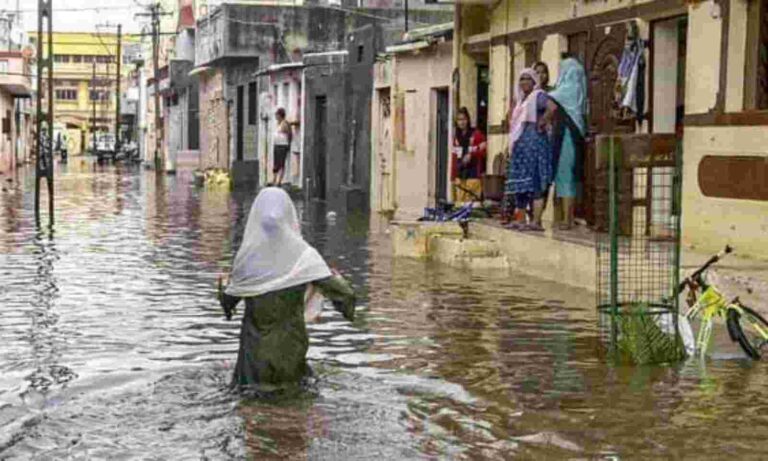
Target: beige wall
[
  {"x": 414, "y": 76},
  {"x": 710, "y": 223},
  {"x": 703, "y": 71}
]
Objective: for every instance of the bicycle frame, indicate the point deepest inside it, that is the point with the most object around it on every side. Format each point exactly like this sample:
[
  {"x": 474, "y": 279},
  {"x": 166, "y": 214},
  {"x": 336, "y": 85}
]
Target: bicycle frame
[{"x": 708, "y": 305}]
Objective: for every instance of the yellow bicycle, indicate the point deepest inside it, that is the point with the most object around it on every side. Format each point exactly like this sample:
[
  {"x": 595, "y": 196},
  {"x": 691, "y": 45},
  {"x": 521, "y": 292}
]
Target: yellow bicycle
[{"x": 704, "y": 299}]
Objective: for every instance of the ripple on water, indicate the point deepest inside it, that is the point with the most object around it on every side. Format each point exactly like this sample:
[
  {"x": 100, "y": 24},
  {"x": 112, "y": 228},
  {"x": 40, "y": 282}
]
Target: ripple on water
[{"x": 113, "y": 347}]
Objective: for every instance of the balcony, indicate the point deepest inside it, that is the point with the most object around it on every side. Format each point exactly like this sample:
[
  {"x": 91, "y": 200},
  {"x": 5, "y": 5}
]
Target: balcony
[
  {"x": 240, "y": 32},
  {"x": 15, "y": 74}
]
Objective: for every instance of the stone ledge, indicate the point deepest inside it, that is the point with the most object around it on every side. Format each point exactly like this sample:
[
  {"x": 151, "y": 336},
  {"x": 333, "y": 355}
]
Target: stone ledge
[{"x": 570, "y": 258}]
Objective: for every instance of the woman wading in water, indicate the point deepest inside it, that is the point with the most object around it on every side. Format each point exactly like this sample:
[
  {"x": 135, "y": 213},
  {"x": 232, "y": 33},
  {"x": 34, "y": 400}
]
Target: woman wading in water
[{"x": 276, "y": 272}]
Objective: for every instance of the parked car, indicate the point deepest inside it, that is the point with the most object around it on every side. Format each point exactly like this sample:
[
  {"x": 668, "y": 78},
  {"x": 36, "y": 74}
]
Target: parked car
[{"x": 105, "y": 146}]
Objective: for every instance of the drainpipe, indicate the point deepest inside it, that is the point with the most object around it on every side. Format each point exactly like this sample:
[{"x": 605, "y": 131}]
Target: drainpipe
[{"x": 352, "y": 151}]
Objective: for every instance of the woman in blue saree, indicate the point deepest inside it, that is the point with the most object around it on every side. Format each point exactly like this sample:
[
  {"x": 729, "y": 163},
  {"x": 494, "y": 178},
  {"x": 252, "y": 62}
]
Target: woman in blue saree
[{"x": 570, "y": 96}]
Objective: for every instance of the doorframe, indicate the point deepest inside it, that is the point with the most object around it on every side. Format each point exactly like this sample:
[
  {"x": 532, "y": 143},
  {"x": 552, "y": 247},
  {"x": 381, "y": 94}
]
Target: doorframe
[
  {"x": 239, "y": 128},
  {"x": 652, "y": 64},
  {"x": 434, "y": 164}
]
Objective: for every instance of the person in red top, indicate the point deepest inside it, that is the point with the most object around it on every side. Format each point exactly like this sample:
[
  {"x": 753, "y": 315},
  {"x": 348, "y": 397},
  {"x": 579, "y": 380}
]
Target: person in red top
[{"x": 468, "y": 159}]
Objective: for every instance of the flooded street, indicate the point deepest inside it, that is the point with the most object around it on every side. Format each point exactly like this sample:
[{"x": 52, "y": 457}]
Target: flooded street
[{"x": 113, "y": 346}]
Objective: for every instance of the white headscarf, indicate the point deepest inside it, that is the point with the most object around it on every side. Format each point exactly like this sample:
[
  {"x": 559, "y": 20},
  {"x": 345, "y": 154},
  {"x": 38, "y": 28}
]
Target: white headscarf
[
  {"x": 273, "y": 255},
  {"x": 525, "y": 110}
]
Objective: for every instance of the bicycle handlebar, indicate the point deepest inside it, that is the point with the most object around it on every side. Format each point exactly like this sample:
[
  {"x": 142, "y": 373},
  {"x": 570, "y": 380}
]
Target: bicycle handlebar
[{"x": 714, "y": 259}]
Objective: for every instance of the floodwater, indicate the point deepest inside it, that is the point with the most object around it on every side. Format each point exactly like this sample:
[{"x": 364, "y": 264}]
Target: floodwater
[{"x": 112, "y": 346}]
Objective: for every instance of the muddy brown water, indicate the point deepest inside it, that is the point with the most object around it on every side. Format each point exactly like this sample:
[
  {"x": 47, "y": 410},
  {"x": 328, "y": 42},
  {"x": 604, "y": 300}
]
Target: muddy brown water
[{"x": 112, "y": 346}]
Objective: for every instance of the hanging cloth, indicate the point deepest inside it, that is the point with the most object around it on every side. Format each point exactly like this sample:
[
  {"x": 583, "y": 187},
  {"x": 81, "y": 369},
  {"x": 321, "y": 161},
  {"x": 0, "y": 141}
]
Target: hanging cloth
[
  {"x": 632, "y": 79},
  {"x": 273, "y": 255}
]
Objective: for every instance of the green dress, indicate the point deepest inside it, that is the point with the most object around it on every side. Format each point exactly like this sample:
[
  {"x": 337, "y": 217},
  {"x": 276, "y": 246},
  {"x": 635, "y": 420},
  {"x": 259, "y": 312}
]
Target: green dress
[{"x": 273, "y": 336}]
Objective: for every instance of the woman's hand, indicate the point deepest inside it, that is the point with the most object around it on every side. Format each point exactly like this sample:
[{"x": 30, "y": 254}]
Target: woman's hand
[{"x": 542, "y": 125}]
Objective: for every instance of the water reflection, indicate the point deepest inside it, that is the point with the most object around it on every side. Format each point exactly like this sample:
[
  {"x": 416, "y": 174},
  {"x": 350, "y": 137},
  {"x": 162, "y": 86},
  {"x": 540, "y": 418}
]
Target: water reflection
[{"x": 113, "y": 346}]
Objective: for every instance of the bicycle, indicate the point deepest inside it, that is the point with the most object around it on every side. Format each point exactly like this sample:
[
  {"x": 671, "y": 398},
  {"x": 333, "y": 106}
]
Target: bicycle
[
  {"x": 704, "y": 299},
  {"x": 445, "y": 212}
]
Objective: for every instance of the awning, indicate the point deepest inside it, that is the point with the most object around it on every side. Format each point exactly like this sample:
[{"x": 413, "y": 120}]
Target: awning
[
  {"x": 408, "y": 47},
  {"x": 278, "y": 68},
  {"x": 199, "y": 70}
]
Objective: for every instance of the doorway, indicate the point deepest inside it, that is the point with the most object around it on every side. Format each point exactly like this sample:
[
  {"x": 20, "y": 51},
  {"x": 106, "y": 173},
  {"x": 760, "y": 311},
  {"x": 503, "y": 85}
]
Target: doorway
[
  {"x": 483, "y": 82},
  {"x": 600, "y": 51},
  {"x": 668, "y": 50},
  {"x": 384, "y": 148},
  {"x": 239, "y": 122},
  {"x": 442, "y": 118},
  {"x": 321, "y": 121}
]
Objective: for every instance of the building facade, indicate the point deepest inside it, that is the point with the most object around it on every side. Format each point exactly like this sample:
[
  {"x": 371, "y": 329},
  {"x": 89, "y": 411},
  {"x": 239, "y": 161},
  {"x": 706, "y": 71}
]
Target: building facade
[
  {"x": 411, "y": 124},
  {"x": 704, "y": 83},
  {"x": 243, "y": 40},
  {"x": 85, "y": 76},
  {"x": 15, "y": 92}
]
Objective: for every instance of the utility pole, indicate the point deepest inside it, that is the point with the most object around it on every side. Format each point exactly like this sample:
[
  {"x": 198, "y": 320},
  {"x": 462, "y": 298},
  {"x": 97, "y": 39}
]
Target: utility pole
[
  {"x": 44, "y": 120},
  {"x": 93, "y": 105},
  {"x": 154, "y": 13},
  {"x": 117, "y": 93},
  {"x": 406, "y": 15}
]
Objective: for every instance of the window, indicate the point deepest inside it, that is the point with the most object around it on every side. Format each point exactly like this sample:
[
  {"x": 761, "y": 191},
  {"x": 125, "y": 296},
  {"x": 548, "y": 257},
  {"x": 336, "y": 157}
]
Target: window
[
  {"x": 77, "y": 59},
  {"x": 360, "y": 53},
  {"x": 88, "y": 59},
  {"x": 756, "y": 76},
  {"x": 99, "y": 95},
  {"x": 252, "y": 103},
  {"x": 63, "y": 58},
  {"x": 67, "y": 94},
  {"x": 4, "y": 66},
  {"x": 104, "y": 59}
]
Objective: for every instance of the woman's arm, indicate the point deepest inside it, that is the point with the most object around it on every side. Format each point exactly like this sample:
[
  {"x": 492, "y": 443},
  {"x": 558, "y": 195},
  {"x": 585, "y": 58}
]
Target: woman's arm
[
  {"x": 480, "y": 146},
  {"x": 549, "y": 114},
  {"x": 340, "y": 292}
]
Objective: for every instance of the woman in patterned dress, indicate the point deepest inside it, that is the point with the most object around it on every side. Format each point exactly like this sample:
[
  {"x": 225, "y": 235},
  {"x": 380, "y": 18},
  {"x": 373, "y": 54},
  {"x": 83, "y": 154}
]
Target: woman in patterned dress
[{"x": 530, "y": 170}]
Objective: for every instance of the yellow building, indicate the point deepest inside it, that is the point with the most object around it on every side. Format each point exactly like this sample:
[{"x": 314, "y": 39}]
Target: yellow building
[
  {"x": 77, "y": 55},
  {"x": 705, "y": 83}
]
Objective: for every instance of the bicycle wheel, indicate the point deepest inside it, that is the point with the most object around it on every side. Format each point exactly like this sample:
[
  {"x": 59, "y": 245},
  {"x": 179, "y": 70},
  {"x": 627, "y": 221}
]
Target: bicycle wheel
[{"x": 749, "y": 330}]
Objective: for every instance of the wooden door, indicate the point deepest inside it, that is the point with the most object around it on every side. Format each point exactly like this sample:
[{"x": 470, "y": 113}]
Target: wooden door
[{"x": 602, "y": 53}]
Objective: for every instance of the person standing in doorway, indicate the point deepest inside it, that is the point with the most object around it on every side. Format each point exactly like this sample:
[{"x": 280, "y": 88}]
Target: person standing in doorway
[
  {"x": 569, "y": 98},
  {"x": 281, "y": 146},
  {"x": 542, "y": 70},
  {"x": 530, "y": 167},
  {"x": 468, "y": 159}
]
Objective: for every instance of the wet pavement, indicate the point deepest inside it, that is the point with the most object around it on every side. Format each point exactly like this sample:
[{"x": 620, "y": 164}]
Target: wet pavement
[{"x": 112, "y": 346}]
